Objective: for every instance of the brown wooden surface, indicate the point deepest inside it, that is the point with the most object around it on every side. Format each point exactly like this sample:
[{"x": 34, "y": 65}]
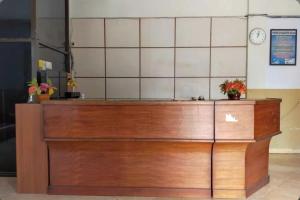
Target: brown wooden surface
[
  {"x": 129, "y": 121},
  {"x": 242, "y": 129},
  {"x": 267, "y": 120},
  {"x": 240, "y": 169},
  {"x": 229, "y": 170},
  {"x": 131, "y": 164},
  {"x": 255, "y": 120},
  {"x": 257, "y": 165},
  {"x": 118, "y": 191},
  {"x": 96, "y": 102},
  {"x": 32, "y": 159},
  {"x": 146, "y": 148},
  {"x": 241, "y": 149}
]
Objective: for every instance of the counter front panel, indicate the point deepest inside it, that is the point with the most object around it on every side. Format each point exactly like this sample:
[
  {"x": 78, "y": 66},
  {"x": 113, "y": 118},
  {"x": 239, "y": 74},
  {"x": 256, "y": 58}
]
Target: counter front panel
[
  {"x": 129, "y": 121},
  {"x": 135, "y": 165}
]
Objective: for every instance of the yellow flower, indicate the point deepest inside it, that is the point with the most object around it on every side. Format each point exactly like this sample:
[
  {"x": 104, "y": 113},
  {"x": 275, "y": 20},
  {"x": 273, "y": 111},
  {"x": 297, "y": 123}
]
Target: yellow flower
[
  {"x": 72, "y": 83},
  {"x": 51, "y": 91}
]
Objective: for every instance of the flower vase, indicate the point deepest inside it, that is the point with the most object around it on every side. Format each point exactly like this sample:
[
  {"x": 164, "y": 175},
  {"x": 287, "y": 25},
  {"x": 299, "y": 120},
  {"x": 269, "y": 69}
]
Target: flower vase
[
  {"x": 236, "y": 96},
  {"x": 43, "y": 97}
]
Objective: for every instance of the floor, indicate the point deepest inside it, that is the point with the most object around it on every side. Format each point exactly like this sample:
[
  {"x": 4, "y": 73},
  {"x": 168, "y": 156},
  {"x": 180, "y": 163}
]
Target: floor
[{"x": 284, "y": 185}]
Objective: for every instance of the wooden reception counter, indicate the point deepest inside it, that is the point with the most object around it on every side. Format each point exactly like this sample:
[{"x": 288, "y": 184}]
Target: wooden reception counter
[{"x": 145, "y": 148}]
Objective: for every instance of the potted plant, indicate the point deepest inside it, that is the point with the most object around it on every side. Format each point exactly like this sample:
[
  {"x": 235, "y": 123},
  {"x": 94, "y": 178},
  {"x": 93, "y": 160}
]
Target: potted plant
[
  {"x": 233, "y": 89},
  {"x": 42, "y": 90}
]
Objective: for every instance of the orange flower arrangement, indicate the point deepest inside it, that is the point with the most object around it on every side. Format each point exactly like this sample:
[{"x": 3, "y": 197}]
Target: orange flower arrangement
[
  {"x": 233, "y": 88},
  {"x": 43, "y": 88}
]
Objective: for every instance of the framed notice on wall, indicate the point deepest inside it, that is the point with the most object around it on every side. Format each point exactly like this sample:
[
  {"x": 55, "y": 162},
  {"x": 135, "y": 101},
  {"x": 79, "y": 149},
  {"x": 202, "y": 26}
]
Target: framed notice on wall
[{"x": 283, "y": 47}]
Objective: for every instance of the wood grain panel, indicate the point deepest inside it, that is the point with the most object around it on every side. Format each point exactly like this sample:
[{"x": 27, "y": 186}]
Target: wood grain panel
[
  {"x": 229, "y": 194},
  {"x": 229, "y": 170},
  {"x": 121, "y": 191},
  {"x": 267, "y": 119},
  {"x": 229, "y": 166},
  {"x": 242, "y": 128},
  {"x": 257, "y": 165},
  {"x": 145, "y": 148},
  {"x": 130, "y": 164},
  {"x": 240, "y": 169},
  {"x": 129, "y": 121},
  {"x": 32, "y": 155}
]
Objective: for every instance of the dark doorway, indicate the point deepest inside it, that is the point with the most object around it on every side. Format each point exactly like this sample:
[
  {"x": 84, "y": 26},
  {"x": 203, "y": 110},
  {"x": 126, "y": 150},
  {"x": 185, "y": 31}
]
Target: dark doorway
[{"x": 15, "y": 69}]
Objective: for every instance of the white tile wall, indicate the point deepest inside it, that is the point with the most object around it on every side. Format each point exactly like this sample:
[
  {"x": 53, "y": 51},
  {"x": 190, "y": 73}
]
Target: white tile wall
[
  {"x": 192, "y": 62},
  {"x": 123, "y": 88},
  {"x": 215, "y": 88},
  {"x": 186, "y": 88},
  {"x": 193, "y": 32},
  {"x": 89, "y": 62},
  {"x": 92, "y": 88},
  {"x": 229, "y": 31},
  {"x": 122, "y": 32},
  {"x": 228, "y": 61},
  {"x": 158, "y": 32},
  {"x": 157, "y": 62},
  {"x": 157, "y": 88},
  {"x": 141, "y": 59},
  {"x": 87, "y": 32},
  {"x": 122, "y": 62}
]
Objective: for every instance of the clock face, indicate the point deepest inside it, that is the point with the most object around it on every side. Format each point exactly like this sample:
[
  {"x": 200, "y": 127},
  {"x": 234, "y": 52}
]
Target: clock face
[{"x": 257, "y": 36}]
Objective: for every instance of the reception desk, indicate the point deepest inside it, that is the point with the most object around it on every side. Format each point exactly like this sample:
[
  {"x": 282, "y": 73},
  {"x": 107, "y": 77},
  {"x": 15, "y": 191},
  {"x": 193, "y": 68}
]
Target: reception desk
[{"x": 145, "y": 148}]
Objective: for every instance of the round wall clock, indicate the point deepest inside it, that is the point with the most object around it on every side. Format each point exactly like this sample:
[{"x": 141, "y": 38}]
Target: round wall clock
[{"x": 257, "y": 36}]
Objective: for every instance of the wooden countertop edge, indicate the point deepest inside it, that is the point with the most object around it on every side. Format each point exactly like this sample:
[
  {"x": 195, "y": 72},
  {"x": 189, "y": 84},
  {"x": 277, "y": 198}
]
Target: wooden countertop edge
[
  {"x": 47, "y": 139},
  {"x": 256, "y": 139},
  {"x": 115, "y": 103},
  {"x": 248, "y": 101},
  {"x": 161, "y": 102},
  {"x": 164, "y": 139},
  {"x": 234, "y": 141}
]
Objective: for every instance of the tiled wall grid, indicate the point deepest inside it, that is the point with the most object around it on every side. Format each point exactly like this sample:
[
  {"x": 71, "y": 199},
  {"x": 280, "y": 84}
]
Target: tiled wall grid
[{"x": 158, "y": 58}]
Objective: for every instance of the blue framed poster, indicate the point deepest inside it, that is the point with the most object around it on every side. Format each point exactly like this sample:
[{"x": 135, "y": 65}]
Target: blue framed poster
[{"x": 283, "y": 48}]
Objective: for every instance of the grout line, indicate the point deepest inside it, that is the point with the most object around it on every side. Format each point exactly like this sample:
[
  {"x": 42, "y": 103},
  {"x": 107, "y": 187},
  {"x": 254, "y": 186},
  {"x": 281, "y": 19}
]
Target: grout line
[
  {"x": 175, "y": 43},
  {"x": 179, "y": 77},
  {"x": 210, "y": 50},
  {"x": 105, "y": 61},
  {"x": 246, "y": 79},
  {"x": 157, "y": 47},
  {"x": 140, "y": 60},
  {"x": 184, "y": 17}
]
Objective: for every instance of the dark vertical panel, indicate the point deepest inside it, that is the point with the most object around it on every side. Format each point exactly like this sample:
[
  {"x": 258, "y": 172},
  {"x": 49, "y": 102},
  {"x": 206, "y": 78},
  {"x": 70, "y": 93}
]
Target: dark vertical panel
[
  {"x": 15, "y": 70},
  {"x": 14, "y": 28},
  {"x": 15, "y": 18}
]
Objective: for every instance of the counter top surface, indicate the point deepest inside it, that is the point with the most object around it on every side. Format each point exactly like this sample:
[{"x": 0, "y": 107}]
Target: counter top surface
[{"x": 153, "y": 102}]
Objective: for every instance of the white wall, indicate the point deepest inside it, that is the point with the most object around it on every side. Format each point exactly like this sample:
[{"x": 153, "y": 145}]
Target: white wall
[
  {"x": 145, "y": 61},
  {"x": 181, "y": 8},
  {"x": 156, "y": 8},
  {"x": 274, "y": 7},
  {"x": 260, "y": 74}
]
